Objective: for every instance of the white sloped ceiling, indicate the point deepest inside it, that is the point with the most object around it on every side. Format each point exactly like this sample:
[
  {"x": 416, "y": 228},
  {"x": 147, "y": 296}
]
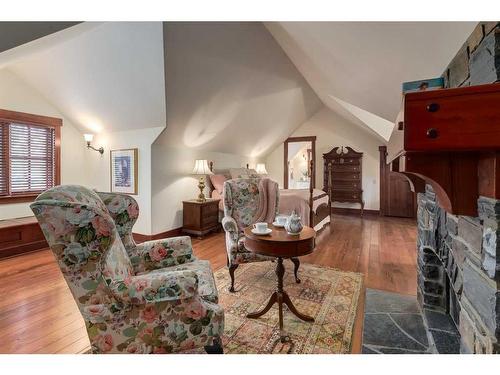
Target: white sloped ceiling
[
  {"x": 103, "y": 76},
  {"x": 231, "y": 88},
  {"x": 360, "y": 66},
  {"x": 238, "y": 87}
]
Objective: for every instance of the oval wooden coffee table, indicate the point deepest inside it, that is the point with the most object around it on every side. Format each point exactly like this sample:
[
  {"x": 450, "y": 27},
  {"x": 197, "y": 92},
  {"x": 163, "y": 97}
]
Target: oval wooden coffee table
[{"x": 281, "y": 245}]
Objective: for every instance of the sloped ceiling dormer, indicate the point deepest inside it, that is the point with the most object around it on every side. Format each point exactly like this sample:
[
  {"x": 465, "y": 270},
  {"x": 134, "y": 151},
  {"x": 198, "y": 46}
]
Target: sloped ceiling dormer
[
  {"x": 104, "y": 77},
  {"x": 357, "y": 68},
  {"x": 18, "y": 33},
  {"x": 231, "y": 89},
  {"x": 239, "y": 88}
]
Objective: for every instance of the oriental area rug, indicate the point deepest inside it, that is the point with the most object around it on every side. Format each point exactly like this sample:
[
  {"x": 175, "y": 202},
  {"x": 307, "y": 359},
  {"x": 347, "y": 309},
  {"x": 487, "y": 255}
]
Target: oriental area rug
[{"x": 329, "y": 295}]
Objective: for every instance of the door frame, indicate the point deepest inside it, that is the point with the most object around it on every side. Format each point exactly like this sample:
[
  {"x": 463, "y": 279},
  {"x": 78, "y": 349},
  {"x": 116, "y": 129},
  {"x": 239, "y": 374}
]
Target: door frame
[{"x": 311, "y": 139}]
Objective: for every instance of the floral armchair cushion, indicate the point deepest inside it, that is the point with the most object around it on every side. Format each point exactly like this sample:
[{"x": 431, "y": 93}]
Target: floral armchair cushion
[
  {"x": 241, "y": 202},
  {"x": 125, "y": 311},
  {"x": 124, "y": 210}
]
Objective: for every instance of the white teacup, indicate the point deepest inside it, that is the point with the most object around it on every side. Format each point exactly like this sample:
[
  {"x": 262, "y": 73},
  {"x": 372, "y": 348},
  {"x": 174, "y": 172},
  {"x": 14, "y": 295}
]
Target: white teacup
[
  {"x": 281, "y": 220},
  {"x": 260, "y": 227}
]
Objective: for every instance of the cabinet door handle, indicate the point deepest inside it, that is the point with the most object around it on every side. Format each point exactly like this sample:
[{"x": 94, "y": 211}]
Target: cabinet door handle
[
  {"x": 432, "y": 133},
  {"x": 433, "y": 107}
]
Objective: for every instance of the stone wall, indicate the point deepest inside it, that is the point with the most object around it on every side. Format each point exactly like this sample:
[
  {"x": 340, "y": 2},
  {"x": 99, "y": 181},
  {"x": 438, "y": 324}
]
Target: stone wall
[
  {"x": 478, "y": 60},
  {"x": 459, "y": 256},
  {"x": 458, "y": 270}
]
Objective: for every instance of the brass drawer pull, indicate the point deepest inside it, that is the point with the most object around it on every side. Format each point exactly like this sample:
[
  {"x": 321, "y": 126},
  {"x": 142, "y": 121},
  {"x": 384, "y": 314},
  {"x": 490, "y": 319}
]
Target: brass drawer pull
[
  {"x": 433, "y": 107},
  {"x": 432, "y": 133}
]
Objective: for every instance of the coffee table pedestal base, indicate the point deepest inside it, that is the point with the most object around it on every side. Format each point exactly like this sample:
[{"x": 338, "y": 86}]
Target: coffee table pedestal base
[{"x": 280, "y": 297}]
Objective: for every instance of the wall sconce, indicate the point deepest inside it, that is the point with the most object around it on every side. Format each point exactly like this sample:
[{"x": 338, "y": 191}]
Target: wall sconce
[{"x": 88, "y": 139}]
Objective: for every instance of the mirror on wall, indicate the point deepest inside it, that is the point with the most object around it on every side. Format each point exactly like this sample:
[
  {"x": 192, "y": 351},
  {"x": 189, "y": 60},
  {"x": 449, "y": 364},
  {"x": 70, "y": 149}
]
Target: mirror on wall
[{"x": 299, "y": 151}]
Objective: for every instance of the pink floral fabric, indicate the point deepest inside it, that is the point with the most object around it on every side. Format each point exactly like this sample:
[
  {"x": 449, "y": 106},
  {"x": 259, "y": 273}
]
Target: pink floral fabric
[
  {"x": 124, "y": 311},
  {"x": 124, "y": 210},
  {"x": 156, "y": 254},
  {"x": 241, "y": 202},
  {"x": 162, "y": 286}
]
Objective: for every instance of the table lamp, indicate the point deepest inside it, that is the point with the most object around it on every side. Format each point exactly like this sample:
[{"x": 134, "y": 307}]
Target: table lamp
[
  {"x": 202, "y": 169},
  {"x": 261, "y": 168}
]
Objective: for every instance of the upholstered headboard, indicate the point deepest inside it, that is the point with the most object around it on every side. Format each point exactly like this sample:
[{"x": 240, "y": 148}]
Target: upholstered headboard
[
  {"x": 209, "y": 185},
  {"x": 226, "y": 172}
]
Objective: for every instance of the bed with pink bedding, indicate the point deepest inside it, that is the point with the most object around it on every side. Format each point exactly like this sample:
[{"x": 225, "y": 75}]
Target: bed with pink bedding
[{"x": 298, "y": 200}]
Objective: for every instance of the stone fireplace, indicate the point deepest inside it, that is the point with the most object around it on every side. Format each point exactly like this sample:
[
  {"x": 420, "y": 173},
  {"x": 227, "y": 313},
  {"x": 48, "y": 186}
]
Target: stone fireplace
[
  {"x": 459, "y": 256},
  {"x": 458, "y": 267}
]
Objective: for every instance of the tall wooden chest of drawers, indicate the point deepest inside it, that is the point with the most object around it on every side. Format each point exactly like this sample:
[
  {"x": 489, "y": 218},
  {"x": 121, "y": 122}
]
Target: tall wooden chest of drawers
[{"x": 342, "y": 176}]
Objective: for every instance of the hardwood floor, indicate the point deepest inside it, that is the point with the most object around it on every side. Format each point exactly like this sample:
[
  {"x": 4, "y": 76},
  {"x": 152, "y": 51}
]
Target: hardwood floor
[{"x": 38, "y": 313}]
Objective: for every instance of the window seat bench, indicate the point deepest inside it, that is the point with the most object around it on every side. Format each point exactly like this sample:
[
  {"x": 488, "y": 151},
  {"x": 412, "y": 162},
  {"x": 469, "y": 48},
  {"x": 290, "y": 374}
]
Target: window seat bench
[{"x": 18, "y": 236}]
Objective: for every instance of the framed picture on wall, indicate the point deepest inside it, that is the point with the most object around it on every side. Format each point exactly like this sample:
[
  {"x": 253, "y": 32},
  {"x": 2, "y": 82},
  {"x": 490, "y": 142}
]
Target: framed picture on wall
[{"x": 124, "y": 171}]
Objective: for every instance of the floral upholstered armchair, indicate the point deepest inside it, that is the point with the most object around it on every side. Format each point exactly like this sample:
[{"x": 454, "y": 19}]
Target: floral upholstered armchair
[
  {"x": 241, "y": 201},
  {"x": 155, "y": 297}
]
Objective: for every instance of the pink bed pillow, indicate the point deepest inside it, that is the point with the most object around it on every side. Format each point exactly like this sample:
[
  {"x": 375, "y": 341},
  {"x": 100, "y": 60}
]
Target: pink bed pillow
[{"x": 218, "y": 182}]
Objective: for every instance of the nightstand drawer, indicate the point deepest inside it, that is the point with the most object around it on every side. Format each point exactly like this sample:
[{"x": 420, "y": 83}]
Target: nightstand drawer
[
  {"x": 210, "y": 210},
  {"x": 200, "y": 218},
  {"x": 209, "y": 220}
]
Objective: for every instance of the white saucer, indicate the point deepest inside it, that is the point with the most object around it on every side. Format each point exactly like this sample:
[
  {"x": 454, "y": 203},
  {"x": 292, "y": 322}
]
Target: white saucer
[
  {"x": 278, "y": 225},
  {"x": 268, "y": 231}
]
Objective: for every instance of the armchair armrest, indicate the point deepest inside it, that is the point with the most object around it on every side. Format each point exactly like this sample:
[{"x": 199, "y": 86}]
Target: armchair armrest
[
  {"x": 232, "y": 235},
  {"x": 156, "y": 254},
  {"x": 229, "y": 224},
  {"x": 156, "y": 287}
]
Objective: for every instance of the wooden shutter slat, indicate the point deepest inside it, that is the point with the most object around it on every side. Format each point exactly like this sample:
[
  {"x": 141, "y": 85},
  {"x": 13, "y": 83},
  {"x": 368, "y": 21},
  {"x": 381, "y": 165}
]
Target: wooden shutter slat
[
  {"x": 4, "y": 167},
  {"x": 31, "y": 158}
]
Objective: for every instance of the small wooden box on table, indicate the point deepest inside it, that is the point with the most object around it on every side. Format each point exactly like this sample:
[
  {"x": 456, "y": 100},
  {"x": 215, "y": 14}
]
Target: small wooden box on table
[{"x": 200, "y": 218}]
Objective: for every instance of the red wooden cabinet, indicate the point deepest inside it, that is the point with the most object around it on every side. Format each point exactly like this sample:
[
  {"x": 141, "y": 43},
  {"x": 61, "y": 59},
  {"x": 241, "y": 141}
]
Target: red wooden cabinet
[
  {"x": 466, "y": 118},
  {"x": 451, "y": 140}
]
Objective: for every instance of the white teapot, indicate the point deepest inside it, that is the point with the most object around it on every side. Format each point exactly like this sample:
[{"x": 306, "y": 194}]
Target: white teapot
[{"x": 293, "y": 224}]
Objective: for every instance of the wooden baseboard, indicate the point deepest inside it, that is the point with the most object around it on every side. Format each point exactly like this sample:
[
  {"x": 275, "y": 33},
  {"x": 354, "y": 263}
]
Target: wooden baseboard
[
  {"x": 353, "y": 211},
  {"x": 19, "y": 236},
  {"x": 148, "y": 237}
]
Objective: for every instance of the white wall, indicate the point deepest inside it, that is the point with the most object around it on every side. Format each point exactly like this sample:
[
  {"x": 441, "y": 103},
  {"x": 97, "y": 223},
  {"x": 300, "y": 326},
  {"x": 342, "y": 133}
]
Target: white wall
[
  {"x": 16, "y": 95},
  {"x": 78, "y": 164},
  {"x": 98, "y": 167},
  {"x": 173, "y": 182},
  {"x": 230, "y": 88},
  {"x": 104, "y": 76},
  {"x": 332, "y": 130},
  {"x": 231, "y": 96}
]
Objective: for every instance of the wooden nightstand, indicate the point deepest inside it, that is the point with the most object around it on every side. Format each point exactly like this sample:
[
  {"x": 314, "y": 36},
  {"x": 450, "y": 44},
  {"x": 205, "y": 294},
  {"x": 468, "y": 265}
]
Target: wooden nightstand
[{"x": 200, "y": 218}]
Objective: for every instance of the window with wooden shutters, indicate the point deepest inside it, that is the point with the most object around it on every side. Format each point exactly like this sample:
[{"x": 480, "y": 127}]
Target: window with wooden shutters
[{"x": 29, "y": 155}]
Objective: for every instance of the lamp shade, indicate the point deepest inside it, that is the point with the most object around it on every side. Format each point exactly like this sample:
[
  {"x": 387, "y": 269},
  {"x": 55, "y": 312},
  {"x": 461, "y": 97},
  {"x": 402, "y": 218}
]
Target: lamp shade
[
  {"x": 88, "y": 137},
  {"x": 261, "y": 168},
  {"x": 201, "y": 167}
]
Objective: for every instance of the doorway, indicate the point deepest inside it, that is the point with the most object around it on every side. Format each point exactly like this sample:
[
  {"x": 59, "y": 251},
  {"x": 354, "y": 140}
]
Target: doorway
[{"x": 299, "y": 151}]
